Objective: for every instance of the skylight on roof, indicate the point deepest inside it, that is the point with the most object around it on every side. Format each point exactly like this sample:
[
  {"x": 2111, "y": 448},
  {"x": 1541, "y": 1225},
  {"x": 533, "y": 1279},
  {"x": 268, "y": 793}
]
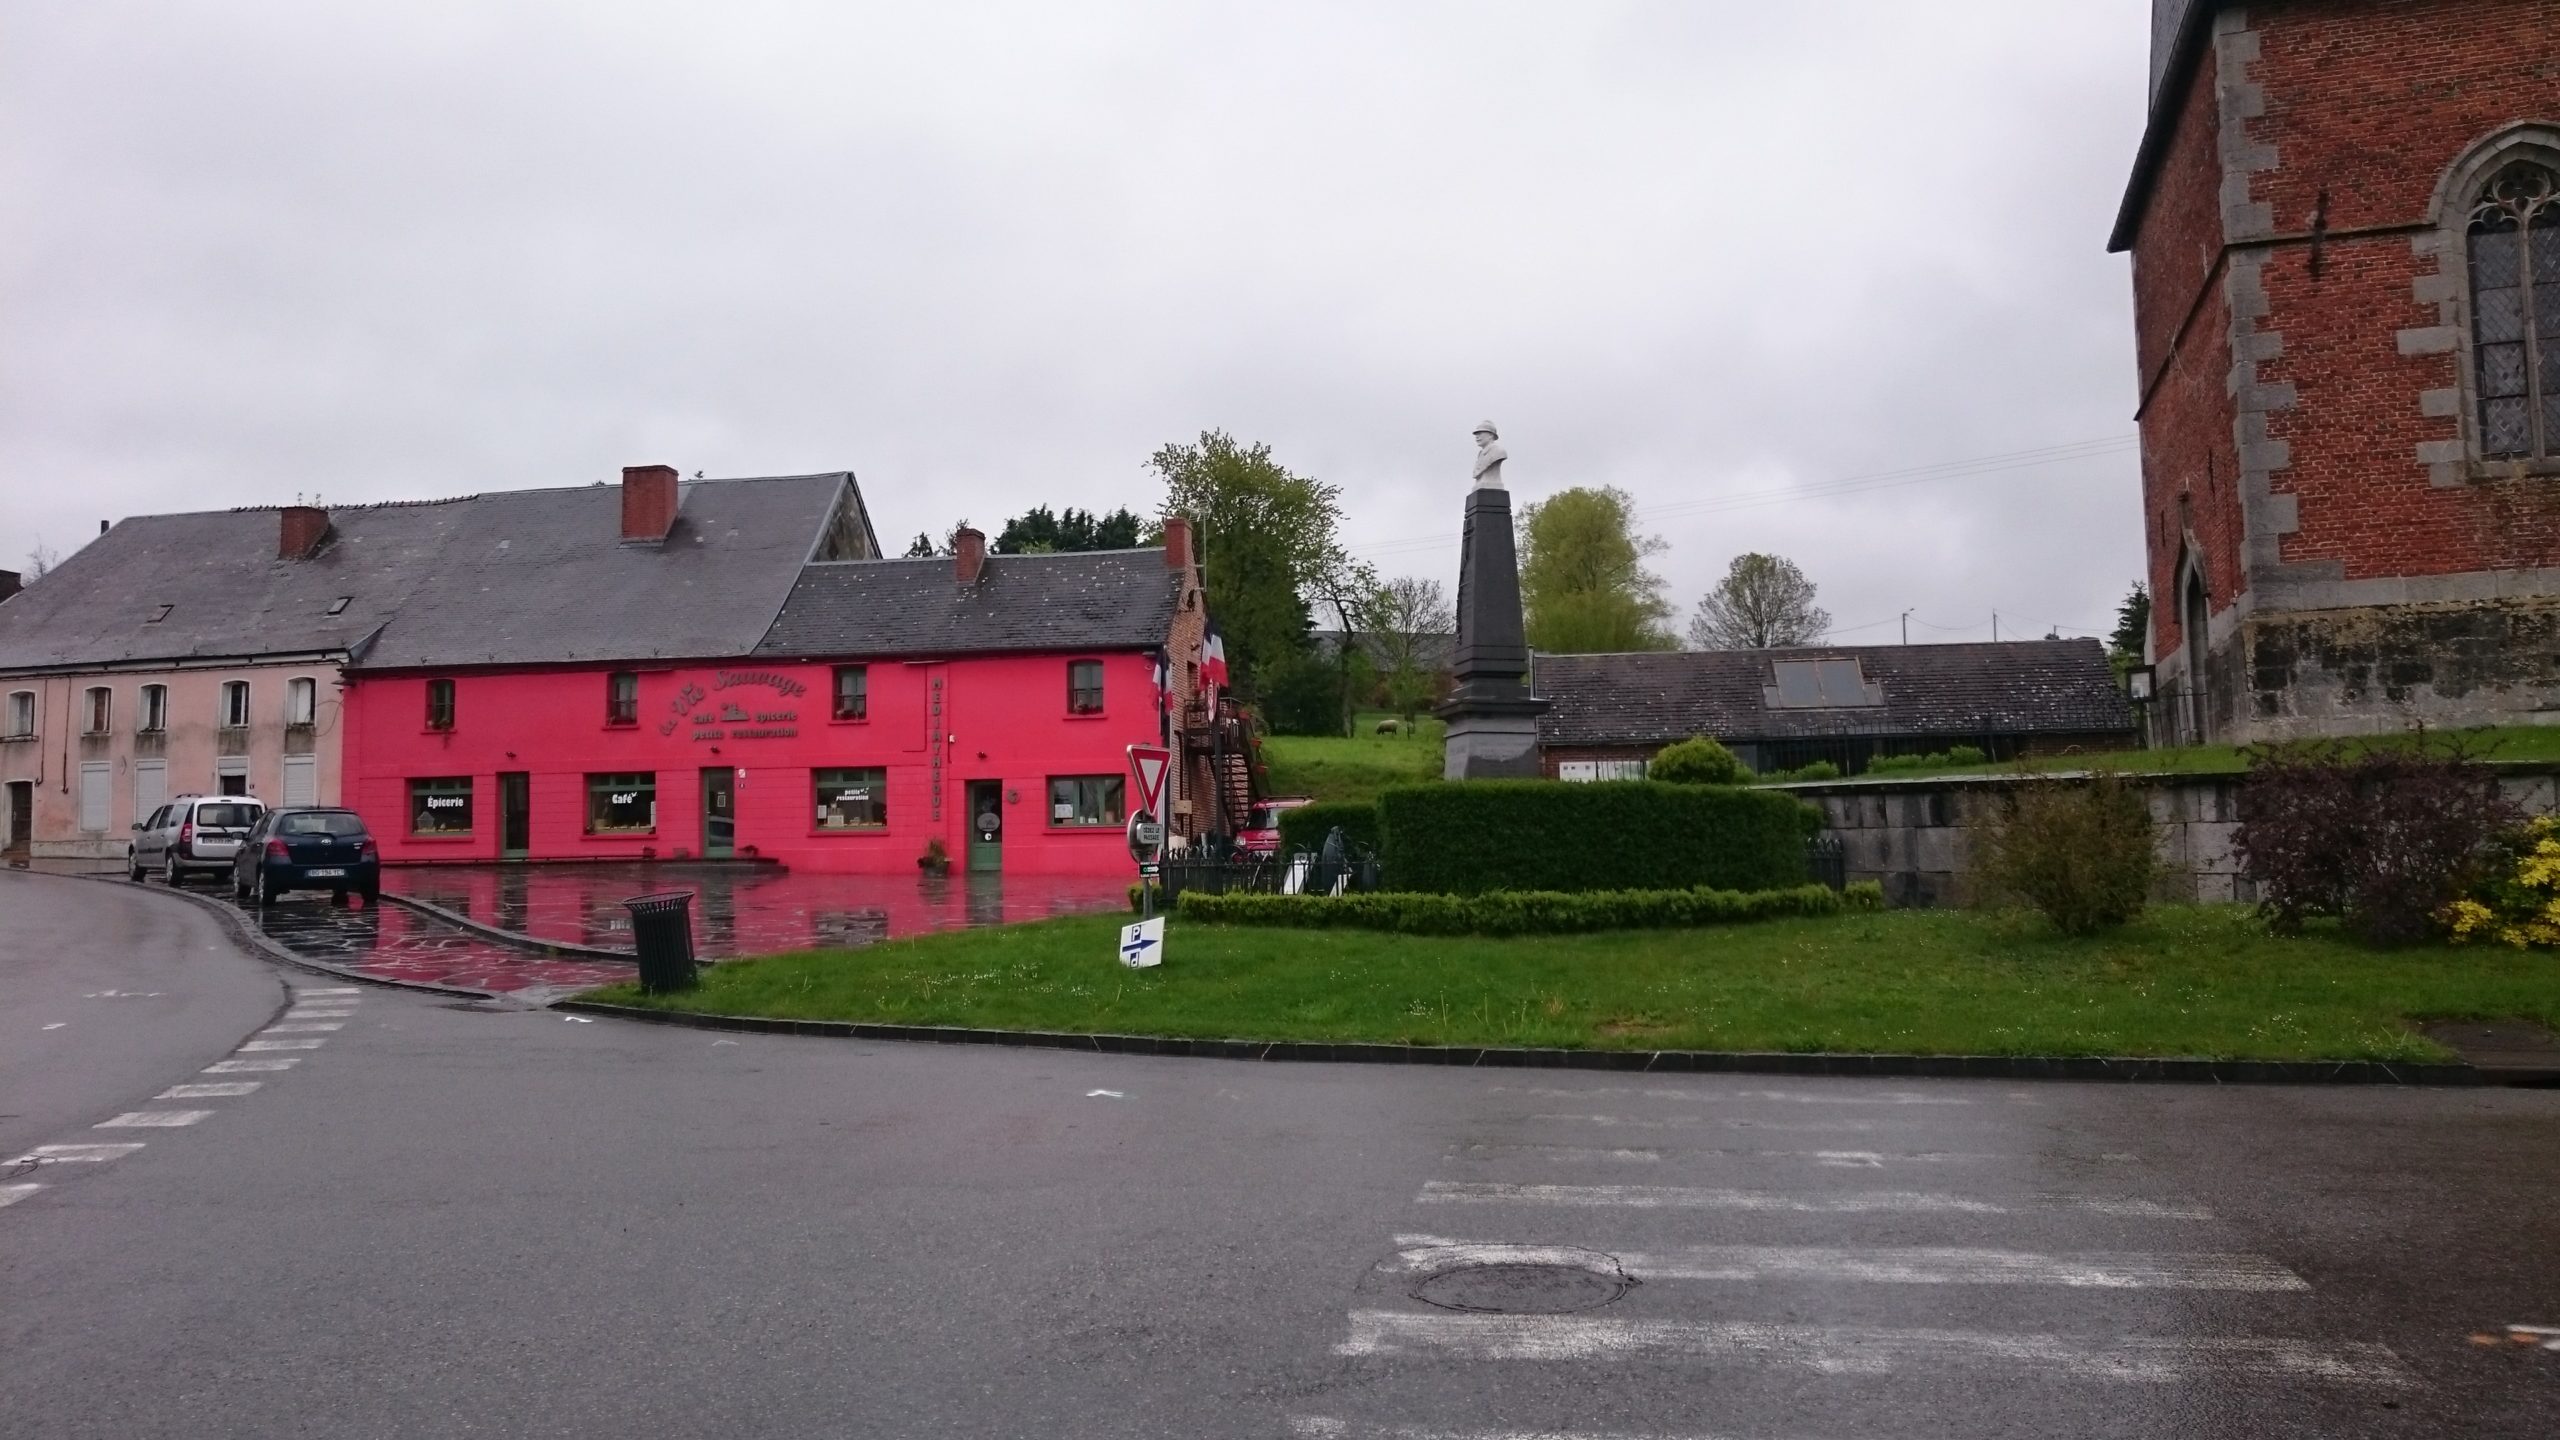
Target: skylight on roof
[
  {"x": 339, "y": 605},
  {"x": 1820, "y": 685},
  {"x": 160, "y": 614}
]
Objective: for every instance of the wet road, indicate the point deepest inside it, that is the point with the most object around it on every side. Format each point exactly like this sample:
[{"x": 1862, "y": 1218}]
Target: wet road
[{"x": 431, "y": 1219}]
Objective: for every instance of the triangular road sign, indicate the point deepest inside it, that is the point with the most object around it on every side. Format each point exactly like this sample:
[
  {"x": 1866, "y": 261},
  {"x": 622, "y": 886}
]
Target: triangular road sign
[{"x": 1147, "y": 764}]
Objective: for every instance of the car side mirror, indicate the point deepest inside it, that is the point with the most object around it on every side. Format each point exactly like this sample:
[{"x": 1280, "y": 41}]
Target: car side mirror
[{"x": 136, "y": 827}]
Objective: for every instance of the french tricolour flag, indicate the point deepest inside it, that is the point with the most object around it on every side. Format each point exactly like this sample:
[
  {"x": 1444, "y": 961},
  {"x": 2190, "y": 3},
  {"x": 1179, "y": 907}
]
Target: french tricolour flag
[{"x": 1213, "y": 660}]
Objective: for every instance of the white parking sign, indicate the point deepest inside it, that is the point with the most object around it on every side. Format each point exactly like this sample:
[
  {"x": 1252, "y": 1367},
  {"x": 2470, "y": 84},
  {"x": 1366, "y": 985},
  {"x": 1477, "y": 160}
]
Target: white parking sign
[{"x": 1142, "y": 944}]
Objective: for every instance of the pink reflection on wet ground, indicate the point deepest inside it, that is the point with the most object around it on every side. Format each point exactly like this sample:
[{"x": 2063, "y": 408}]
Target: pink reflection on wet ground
[
  {"x": 395, "y": 944},
  {"x": 746, "y": 909}
]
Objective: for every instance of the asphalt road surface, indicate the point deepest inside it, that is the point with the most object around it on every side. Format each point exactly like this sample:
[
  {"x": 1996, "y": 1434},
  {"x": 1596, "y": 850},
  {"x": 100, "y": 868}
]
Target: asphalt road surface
[{"x": 431, "y": 1219}]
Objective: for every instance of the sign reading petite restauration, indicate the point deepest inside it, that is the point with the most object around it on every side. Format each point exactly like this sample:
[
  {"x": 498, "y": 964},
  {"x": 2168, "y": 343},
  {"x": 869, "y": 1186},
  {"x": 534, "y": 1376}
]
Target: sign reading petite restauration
[{"x": 727, "y": 719}]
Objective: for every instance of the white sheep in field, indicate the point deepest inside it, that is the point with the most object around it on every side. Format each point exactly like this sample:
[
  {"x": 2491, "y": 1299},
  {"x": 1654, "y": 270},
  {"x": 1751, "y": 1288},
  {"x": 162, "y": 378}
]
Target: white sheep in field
[{"x": 1390, "y": 726}]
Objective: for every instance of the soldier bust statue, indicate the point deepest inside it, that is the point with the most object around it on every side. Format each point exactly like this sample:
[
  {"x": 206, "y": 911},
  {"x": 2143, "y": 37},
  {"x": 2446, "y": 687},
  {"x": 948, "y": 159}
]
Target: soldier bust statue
[{"x": 1489, "y": 457}]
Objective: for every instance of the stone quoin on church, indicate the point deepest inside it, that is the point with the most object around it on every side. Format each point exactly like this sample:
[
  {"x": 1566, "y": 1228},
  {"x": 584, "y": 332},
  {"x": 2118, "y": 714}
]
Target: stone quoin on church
[{"x": 2344, "y": 218}]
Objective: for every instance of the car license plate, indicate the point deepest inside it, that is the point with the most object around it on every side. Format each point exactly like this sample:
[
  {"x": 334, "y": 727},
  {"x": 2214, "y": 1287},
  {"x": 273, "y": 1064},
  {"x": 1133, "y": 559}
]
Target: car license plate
[{"x": 326, "y": 874}]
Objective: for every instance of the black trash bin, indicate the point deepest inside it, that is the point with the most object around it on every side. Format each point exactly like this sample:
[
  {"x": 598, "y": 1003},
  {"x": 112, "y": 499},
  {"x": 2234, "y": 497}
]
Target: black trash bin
[{"x": 662, "y": 931}]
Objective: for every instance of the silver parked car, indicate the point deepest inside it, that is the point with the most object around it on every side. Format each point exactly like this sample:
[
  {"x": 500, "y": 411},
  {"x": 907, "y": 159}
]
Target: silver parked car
[{"x": 190, "y": 835}]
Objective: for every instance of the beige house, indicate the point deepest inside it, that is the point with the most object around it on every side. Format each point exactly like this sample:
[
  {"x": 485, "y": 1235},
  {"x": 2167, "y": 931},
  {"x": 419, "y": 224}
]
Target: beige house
[{"x": 187, "y": 655}]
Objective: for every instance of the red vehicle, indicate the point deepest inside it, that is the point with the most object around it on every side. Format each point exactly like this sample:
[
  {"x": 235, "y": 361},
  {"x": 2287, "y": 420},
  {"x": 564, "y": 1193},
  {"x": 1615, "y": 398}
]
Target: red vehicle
[{"x": 1261, "y": 834}]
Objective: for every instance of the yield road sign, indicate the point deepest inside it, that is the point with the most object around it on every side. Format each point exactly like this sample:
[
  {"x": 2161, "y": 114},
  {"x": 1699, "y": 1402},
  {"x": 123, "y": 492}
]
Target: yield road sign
[{"x": 1147, "y": 765}]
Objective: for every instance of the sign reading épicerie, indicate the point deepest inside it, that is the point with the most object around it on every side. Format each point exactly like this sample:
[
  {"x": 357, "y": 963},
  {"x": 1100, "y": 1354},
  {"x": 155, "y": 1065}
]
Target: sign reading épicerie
[{"x": 730, "y": 720}]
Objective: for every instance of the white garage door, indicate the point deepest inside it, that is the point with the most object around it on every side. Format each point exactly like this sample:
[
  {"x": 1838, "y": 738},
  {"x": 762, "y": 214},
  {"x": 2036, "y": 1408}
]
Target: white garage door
[{"x": 150, "y": 787}]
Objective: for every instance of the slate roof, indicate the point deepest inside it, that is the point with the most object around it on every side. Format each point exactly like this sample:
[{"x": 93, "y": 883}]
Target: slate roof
[
  {"x": 1081, "y": 600},
  {"x": 2011, "y": 687},
  {"x": 508, "y": 577}
]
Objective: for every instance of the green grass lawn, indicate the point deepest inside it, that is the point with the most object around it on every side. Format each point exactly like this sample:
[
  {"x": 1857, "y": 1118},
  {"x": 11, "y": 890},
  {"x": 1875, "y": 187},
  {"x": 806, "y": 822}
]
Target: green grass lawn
[
  {"x": 1356, "y": 768},
  {"x": 2503, "y": 742},
  {"x": 2190, "y": 981}
]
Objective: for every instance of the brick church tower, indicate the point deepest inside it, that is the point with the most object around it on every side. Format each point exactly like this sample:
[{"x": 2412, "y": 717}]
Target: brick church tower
[{"x": 2345, "y": 226}]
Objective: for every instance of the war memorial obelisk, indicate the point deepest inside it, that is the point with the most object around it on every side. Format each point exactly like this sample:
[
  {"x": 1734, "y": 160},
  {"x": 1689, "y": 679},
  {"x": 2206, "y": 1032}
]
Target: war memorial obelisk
[{"x": 1493, "y": 719}]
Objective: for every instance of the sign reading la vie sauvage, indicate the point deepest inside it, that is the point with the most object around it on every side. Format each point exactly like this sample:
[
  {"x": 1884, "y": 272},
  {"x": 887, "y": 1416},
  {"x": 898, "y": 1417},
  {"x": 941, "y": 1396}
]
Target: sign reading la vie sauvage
[{"x": 729, "y": 720}]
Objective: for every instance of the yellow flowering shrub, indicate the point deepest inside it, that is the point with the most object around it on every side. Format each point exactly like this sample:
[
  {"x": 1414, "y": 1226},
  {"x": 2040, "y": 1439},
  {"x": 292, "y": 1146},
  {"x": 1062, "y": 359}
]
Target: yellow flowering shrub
[{"x": 2517, "y": 899}]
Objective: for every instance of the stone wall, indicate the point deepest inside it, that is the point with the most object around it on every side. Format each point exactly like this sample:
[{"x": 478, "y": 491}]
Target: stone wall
[{"x": 1915, "y": 837}]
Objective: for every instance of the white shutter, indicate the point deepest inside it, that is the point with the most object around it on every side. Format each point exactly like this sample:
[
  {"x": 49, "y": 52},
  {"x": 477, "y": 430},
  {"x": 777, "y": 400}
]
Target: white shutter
[
  {"x": 150, "y": 787},
  {"x": 96, "y": 783},
  {"x": 302, "y": 779}
]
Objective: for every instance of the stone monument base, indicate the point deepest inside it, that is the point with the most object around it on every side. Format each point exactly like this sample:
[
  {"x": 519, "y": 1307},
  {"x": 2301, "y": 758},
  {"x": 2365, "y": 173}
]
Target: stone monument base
[{"x": 1493, "y": 745}]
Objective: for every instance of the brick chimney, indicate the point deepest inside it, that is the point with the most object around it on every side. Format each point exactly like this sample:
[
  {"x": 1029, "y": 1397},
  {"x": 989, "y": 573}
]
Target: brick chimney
[
  {"x": 9, "y": 584},
  {"x": 648, "y": 501},
  {"x": 968, "y": 554},
  {"x": 1177, "y": 543},
  {"x": 300, "y": 530}
]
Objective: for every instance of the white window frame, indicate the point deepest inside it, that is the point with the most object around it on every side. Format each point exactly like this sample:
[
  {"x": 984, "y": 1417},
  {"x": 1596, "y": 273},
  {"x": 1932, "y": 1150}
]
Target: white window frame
[
  {"x": 22, "y": 715},
  {"x": 98, "y": 710},
  {"x": 301, "y": 701},
  {"x": 230, "y": 689},
  {"x": 153, "y": 717}
]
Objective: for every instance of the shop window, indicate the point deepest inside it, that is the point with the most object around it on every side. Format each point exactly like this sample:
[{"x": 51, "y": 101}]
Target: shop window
[
  {"x": 235, "y": 705},
  {"x": 22, "y": 715},
  {"x": 155, "y": 709},
  {"x": 301, "y": 702},
  {"x": 622, "y": 698},
  {"x": 439, "y": 704},
  {"x": 440, "y": 806},
  {"x": 1087, "y": 799},
  {"x": 97, "y": 710},
  {"x": 853, "y": 692},
  {"x": 852, "y": 799},
  {"x": 1084, "y": 687},
  {"x": 622, "y": 804}
]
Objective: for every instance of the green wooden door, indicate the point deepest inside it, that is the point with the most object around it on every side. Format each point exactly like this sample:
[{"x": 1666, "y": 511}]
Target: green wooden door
[{"x": 986, "y": 825}]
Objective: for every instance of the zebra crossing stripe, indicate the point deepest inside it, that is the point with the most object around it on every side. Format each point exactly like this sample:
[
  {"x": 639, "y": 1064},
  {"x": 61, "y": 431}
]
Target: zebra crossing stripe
[
  {"x": 1325, "y": 1427},
  {"x": 1868, "y": 1349},
  {"x": 1877, "y": 1265},
  {"x": 12, "y": 1194},
  {"x": 1846, "y": 1202}
]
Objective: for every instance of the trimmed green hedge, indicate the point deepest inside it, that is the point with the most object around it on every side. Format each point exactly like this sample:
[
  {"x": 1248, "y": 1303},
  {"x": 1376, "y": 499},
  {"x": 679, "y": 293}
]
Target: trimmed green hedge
[
  {"x": 1304, "y": 828},
  {"x": 1528, "y": 912},
  {"x": 1553, "y": 835}
]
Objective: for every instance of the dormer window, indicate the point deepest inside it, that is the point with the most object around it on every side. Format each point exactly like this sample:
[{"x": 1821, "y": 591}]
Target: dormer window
[
  {"x": 159, "y": 614},
  {"x": 339, "y": 605},
  {"x": 1820, "y": 685}
]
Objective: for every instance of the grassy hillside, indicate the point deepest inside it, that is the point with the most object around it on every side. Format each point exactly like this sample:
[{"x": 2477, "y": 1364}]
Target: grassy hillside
[{"x": 1356, "y": 768}]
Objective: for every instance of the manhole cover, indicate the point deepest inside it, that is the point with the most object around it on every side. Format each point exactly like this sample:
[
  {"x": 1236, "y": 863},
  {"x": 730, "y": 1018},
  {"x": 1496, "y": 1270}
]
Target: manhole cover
[{"x": 1527, "y": 1287}]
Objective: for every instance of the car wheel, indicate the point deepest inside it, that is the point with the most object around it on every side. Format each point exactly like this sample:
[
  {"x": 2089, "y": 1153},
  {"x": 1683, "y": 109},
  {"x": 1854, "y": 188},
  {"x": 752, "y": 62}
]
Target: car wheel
[
  {"x": 170, "y": 872},
  {"x": 372, "y": 896},
  {"x": 133, "y": 867},
  {"x": 269, "y": 892}
]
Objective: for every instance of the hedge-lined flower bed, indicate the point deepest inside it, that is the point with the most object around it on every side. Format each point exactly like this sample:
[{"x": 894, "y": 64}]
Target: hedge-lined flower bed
[{"x": 1528, "y": 912}]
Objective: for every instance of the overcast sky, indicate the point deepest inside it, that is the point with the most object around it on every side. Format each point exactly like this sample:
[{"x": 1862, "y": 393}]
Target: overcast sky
[{"x": 991, "y": 256}]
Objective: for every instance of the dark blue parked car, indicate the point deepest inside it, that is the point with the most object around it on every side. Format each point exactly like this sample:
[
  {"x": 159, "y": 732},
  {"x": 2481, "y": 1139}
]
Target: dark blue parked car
[{"x": 308, "y": 848}]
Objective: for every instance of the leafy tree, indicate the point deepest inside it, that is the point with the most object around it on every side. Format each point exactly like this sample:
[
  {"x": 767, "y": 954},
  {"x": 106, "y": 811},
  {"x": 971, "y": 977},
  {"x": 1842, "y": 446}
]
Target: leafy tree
[
  {"x": 1695, "y": 761},
  {"x": 1268, "y": 542},
  {"x": 2133, "y": 625},
  {"x": 1037, "y": 532},
  {"x": 1410, "y": 629},
  {"x": 920, "y": 548},
  {"x": 1583, "y": 584},
  {"x": 1762, "y": 602}
]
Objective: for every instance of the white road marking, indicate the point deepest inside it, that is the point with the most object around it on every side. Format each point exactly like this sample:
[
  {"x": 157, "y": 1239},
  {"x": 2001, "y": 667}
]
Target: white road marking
[
  {"x": 300, "y": 1013},
  {"x": 1868, "y": 1349},
  {"x": 254, "y": 1046},
  {"x": 1693, "y": 1122},
  {"x": 250, "y": 1067},
  {"x": 1321, "y": 1427},
  {"x": 1719, "y": 1097},
  {"x": 1111, "y": 1094},
  {"x": 212, "y": 1090},
  {"x": 303, "y": 1029},
  {"x": 75, "y": 1154},
  {"x": 1878, "y": 1265},
  {"x": 12, "y": 1194},
  {"x": 1850, "y": 1202},
  {"x": 1576, "y": 1153},
  {"x": 154, "y": 1119},
  {"x": 58, "y": 1024},
  {"x": 334, "y": 990}
]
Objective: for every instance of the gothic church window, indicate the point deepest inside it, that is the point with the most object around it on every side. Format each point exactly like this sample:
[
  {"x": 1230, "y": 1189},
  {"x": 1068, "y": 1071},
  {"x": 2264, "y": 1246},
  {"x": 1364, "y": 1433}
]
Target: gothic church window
[{"x": 2514, "y": 244}]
